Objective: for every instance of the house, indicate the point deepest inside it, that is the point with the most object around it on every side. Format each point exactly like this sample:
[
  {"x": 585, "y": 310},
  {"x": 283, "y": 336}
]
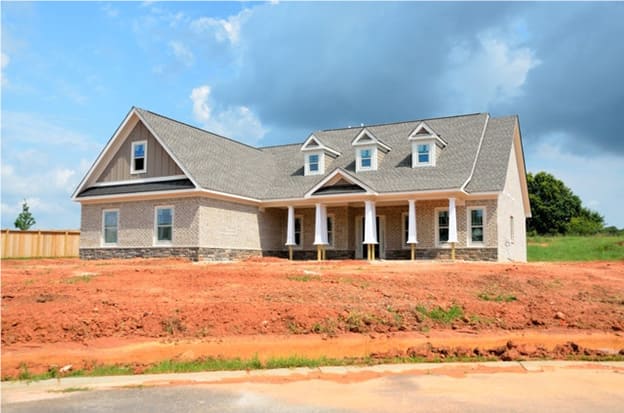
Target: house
[{"x": 451, "y": 187}]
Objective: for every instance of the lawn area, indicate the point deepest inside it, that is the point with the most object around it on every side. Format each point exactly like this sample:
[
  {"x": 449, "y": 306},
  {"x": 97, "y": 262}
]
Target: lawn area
[{"x": 575, "y": 248}]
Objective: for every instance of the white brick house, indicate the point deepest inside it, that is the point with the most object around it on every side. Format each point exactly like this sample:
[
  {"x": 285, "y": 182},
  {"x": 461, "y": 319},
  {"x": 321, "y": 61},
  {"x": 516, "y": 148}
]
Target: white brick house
[{"x": 432, "y": 188}]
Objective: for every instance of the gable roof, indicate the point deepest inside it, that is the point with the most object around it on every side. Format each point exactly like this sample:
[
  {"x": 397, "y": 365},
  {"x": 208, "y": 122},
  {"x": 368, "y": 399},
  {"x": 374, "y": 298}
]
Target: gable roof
[{"x": 220, "y": 164}]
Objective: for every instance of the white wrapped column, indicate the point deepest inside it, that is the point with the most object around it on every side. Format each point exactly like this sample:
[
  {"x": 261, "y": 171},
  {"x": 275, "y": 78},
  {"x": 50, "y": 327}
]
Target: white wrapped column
[
  {"x": 370, "y": 225},
  {"x": 411, "y": 225},
  {"x": 290, "y": 228},
  {"x": 452, "y": 236},
  {"x": 320, "y": 225}
]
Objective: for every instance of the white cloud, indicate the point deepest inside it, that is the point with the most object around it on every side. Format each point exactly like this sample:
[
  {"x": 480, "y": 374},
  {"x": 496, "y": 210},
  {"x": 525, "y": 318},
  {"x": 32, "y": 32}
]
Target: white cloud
[
  {"x": 493, "y": 72},
  {"x": 237, "y": 122},
  {"x": 182, "y": 53},
  {"x": 4, "y": 62},
  {"x": 224, "y": 29}
]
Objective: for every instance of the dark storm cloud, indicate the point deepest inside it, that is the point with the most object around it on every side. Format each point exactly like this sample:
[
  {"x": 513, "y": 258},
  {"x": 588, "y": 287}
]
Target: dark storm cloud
[{"x": 305, "y": 66}]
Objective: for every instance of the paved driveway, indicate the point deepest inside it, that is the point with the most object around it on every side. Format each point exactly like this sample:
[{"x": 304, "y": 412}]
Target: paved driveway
[{"x": 527, "y": 387}]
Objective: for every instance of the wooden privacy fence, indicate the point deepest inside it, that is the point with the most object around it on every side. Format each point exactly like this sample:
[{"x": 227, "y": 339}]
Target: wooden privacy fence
[{"x": 52, "y": 243}]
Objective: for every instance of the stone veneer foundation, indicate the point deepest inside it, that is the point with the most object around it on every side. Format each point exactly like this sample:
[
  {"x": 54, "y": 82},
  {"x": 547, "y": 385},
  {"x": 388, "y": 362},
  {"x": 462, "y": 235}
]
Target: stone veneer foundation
[{"x": 222, "y": 254}]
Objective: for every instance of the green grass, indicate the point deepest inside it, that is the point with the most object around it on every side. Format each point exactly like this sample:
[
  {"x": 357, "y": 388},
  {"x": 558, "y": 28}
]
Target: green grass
[
  {"x": 499, "y": 298},
  {"x": 254, "y": 363},
  {"x": 576, "y": 248},
  {"x": 441, "y": 315}
]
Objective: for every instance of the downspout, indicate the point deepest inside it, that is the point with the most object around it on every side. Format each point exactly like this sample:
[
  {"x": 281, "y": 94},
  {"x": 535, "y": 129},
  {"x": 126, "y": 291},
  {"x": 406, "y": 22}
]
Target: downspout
[{"x": 474, "y": 164}]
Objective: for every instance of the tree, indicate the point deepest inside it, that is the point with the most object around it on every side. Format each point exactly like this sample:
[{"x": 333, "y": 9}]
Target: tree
[
  {"x": 25, "y": 220},
  {"x": 557, "y": 210}
]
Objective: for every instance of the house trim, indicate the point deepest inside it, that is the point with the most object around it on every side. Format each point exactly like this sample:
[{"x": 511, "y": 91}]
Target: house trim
[
  {"x": 141, "y": 181},
  {"x": 346, "y": 176},
  {"x": 320, "y": 146},
  {"x": 375, "y": 140}
]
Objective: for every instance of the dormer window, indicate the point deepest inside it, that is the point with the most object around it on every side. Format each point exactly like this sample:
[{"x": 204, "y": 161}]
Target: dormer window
[
  {"x": 366, "y": 158},
  {"x": 313, "y": 161},
  {"x": 424, "y": 153},
  {"x": 426, "y": 145},
  {"x": 368, "y": 151},
  {"x": 139, "y": 157},
  {"x": 316, "y": 156}
]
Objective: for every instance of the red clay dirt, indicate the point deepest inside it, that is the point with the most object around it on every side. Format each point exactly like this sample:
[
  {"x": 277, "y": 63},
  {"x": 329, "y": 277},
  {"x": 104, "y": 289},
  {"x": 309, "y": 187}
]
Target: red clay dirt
[{"x": 142, "y": 311}]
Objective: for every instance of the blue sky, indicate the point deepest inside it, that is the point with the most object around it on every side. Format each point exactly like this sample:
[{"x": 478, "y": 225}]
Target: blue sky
[{"x": 269, "y": 74}]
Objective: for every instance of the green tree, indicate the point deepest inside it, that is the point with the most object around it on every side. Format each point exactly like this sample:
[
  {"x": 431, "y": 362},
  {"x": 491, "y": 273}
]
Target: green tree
[
  {"x": 25, "y": 219},
  {"x": 557, "y": 210}
]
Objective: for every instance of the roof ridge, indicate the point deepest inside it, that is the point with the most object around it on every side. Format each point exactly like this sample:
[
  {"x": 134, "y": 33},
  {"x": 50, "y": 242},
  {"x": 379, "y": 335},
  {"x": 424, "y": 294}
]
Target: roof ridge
[
  {"x": 404, "y": 121},
  {"x": 199, "y": 129},
  {"x": 279, "y": 146}
]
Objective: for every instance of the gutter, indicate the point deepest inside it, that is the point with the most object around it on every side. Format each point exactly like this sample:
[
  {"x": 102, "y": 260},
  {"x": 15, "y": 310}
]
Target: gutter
[{"x": 474, "y": 164}]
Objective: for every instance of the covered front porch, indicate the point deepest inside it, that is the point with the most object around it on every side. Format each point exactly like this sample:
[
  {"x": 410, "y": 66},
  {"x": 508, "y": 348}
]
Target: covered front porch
[{"x": 381, "y": 228}]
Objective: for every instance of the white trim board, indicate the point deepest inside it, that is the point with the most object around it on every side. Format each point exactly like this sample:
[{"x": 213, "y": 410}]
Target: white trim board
[{"x": 140, "y": 180}]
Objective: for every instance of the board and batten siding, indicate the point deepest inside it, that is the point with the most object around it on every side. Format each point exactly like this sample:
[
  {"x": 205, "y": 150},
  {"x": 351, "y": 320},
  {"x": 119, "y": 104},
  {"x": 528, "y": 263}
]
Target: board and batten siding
[{"x": 159, "y": 163}]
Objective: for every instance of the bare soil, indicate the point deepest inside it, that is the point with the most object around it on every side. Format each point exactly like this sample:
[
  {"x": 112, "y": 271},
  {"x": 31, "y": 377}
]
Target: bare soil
[{"x": 61, "y": 311}]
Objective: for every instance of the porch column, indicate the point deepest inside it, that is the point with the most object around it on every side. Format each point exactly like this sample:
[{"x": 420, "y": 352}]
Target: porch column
[
  {"x": 370, "y": 228},
  {"x": 411, "y": 228},
  {"x": 290, "y": 232},
  {"x": 320, "y": 231},
  {"x": 452, "y": 236}
]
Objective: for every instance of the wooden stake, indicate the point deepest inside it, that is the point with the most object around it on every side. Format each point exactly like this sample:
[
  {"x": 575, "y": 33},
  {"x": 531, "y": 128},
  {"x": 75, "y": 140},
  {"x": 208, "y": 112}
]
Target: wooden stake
[
  {"x": 413, "y": 251},
  {"x": 373, "y": 251},
  {"x": 318, "y": 252},
  {"x": 290, "y": 252},
  {"x": 453, "y": 251}
]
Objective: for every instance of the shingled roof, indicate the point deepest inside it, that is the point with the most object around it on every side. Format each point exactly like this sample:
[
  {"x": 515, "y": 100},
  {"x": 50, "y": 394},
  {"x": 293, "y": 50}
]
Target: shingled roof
[{"x": 221, "y": 164}]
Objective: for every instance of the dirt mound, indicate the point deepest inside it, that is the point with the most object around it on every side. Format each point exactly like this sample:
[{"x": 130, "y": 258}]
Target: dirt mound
[{"x": 62, "y": 301}]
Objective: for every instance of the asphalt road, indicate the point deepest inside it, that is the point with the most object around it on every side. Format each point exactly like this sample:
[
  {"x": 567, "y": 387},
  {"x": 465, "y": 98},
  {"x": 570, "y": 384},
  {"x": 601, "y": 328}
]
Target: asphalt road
[{"x": 543, "y": 386}]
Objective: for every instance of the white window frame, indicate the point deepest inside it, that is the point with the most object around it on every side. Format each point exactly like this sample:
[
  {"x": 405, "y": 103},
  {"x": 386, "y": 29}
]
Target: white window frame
[
  {"x": 432, "y": 152},
  {"x": 103, "y": 238},
  {"x": 439, "y": 244},
  {"x": 321, "y": 163},
  {"x": 156, "y": 240},
  {"x": 469, "y": 240},
  {"x": 358, "y": 161},
  {"x": 138, "y": 171},
  {"x": 300, "y": 245},
  {"x": 331, "y": 242}
]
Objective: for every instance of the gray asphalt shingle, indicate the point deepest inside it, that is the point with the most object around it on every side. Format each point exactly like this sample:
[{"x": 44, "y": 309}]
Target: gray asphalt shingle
[{"x": 221, "y": 164}]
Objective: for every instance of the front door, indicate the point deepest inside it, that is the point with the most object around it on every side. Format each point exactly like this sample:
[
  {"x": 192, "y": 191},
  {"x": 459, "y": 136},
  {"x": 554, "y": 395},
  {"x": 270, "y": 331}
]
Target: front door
[{"x": 362, "y": 251}]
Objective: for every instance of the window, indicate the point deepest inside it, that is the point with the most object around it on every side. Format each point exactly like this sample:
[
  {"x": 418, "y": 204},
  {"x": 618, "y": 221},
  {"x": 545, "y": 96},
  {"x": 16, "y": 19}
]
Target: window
[
  {"x": 314, "y": 163},
  {"x": 423, "y": 153},
  {"x": 298, "y": 231},
  {"x": 110, "y": 226},
  {"x": 443, "y": 226},
  {"x": 366, "y": 158},
  {"x": 164, "y": 225},
  {"x": 511, "y": 228},
  {"x": 139, "y": 152},
  {"x": 475, "y": 223},
  {"x": 330, "y": 230}
]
